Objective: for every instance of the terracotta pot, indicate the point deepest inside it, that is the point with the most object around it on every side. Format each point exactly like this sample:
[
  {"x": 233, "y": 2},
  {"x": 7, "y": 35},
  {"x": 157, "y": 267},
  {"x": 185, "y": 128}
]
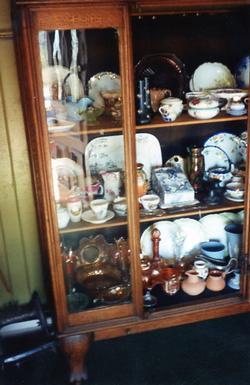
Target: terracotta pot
[
  {"x": 216, "y": 280},
  {"x": 193, "y": 284}
]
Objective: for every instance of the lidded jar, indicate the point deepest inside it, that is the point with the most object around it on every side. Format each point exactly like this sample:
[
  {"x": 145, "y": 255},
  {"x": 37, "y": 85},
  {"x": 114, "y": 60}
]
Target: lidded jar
[
  {"x": 142, "y": 181},
  {"x": 193, "y": 284}
]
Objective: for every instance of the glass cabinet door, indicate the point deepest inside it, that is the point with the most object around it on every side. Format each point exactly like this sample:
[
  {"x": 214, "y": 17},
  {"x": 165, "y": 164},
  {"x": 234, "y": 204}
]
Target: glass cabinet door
[{"x": 84, "y": 115}]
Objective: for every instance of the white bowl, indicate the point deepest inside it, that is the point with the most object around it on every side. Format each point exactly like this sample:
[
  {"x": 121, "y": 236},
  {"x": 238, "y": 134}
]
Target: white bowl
[{"x": 203, "y": 113}]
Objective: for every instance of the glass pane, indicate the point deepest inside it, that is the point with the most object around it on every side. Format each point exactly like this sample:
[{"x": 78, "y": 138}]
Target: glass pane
[{"x": 83, "y": 106}]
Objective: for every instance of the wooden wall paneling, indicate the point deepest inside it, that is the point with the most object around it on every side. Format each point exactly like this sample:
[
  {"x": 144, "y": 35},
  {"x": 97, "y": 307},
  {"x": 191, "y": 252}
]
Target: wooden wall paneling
[{"x": 19, "y": 248}]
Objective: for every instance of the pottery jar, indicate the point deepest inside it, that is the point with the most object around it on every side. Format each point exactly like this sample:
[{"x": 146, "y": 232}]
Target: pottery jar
[
  {"x": 216, "y": 280},
  {"x": 193, "y": 284},
  {"x": 142, "y": 180}
]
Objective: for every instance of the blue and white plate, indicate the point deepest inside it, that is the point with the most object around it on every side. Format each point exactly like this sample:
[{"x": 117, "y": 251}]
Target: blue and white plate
[{"x": 242, "y": 72}]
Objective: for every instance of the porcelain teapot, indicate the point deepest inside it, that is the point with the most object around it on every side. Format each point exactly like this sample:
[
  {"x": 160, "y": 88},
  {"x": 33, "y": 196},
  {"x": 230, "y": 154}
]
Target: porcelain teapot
[{"x": 223, "y": 174}]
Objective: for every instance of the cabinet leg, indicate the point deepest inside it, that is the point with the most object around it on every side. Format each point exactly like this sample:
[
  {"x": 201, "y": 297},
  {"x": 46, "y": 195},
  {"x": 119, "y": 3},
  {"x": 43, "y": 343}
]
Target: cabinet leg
[{"x": 76, "y": 348}]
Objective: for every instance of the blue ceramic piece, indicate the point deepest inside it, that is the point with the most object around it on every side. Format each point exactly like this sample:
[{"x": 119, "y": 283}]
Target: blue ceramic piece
[{"x": 242, "y": 72}]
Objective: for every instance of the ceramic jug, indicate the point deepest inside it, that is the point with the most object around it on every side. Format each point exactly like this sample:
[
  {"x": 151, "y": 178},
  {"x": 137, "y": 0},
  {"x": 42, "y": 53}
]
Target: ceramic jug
[
  {"x": 193, "y": 284},
  {"x": 216, "y": 280},
  {"x": 112, "y": 184}
]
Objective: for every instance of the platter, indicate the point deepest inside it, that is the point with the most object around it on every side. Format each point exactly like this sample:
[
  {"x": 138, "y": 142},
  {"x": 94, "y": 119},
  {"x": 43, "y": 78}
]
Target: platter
[
  {"x": 89, "y": 216},
  {"x": 229, "y": 143},
  {"x": 61, "y": 126},
  {"x": 211, "y": 75},
  {"x": 164, "y": 71},
  {"x": 107, "y": 153},
  {"x": 168, "y": 232}
]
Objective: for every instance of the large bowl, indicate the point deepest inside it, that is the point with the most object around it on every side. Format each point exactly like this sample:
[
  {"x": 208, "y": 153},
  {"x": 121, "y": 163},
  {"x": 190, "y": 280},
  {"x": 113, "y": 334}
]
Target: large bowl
[
  {"x": 228, "y": 94},
  {"x": 203, "y": 113}
]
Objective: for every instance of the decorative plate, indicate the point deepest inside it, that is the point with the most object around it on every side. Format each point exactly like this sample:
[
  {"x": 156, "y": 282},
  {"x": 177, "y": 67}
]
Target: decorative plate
[
  {"x": 107, "y": 153},
  {"x": 211, "y": 75},
  {"x": 67, "y": 174},
  {"x": 193, "y": 233},
  {"x": 215, "y": 157},
  {"x": 229, "y": 143},
  {"x": 168, "y": 235},
  {"x": 242, "y": 72},
  {"x": 103, "y": 82},
  {"x": 164, "y": 71}
]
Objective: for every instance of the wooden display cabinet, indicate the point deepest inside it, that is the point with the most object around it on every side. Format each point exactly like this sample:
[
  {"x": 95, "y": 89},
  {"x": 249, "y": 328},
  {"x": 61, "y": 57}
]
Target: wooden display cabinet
[{"x": 69, "y": 54}]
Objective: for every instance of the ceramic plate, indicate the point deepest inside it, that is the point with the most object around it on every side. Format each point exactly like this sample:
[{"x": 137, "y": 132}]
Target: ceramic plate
[
  {"x": 242, "y": 72},
  {"x": 168, "y": 235},
  {"x": 107, "y": 153},
  {"x": 61, "y": 126},
  {"x": 103, "y": 82},
  {"x": 229, "y": 143},
  {"x": 215, "y": 157},
  {"x": 193, "y": 233},
  {"x": 89, "y": 216},
  {"x": 164, "y": 71},
  {"x": 214, "y": 228},
  {"x": 211, "y": 75}
]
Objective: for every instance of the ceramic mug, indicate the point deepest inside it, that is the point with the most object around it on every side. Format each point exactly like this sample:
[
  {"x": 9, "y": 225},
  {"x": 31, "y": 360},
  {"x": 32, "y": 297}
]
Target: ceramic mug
[
  {"x": 201, "y": 267},
  {"x": 149, "y": 201},
  {"x": 171, "y": 108},
  {"x": 99, "y": 208}
]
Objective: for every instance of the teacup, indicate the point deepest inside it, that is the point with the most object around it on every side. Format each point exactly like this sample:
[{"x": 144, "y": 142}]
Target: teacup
[
  {"x": 213, "y": 249},
  {"x": 171, "y": 108},
  {"x": 201, "y": 267},
  {"x": 149, "y": 201},
  {"x": 120, "y": 206},
  {"x": 99, "y": 208},
  {"x": 235, "y": 190}
]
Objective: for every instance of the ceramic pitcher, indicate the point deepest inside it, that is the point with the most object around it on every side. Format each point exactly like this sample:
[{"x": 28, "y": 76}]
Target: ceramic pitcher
[{"x": 112, "y": 184}]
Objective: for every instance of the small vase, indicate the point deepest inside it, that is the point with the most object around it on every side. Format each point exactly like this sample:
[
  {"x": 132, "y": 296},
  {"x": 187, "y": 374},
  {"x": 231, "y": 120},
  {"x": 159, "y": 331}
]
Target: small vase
[
  {"x": 193, "y": 284},
  {"x": 216, "y": 280},
  {"x": 196, "y": 171},
  {"x": 142, "y": 181}
]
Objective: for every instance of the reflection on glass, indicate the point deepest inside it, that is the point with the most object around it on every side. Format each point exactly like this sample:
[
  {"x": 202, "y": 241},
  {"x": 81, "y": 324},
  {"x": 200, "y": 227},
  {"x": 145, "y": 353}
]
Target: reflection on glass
[{"x": 82, "y": 99}]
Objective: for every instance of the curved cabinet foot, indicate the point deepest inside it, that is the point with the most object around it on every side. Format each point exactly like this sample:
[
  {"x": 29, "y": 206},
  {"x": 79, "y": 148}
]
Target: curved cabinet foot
[{"x": 76, "y": 348}]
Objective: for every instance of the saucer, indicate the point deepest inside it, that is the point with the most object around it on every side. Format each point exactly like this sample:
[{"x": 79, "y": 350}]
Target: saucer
[
  {"x": 236, "y": 112},
  {"x": 230, "y": 198},
  {"x": 89, "y": 216}
]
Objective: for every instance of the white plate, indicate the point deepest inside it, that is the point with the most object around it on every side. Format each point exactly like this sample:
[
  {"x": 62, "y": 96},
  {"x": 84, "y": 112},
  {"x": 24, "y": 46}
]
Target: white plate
[
  {"x": 89, "y": 216},
  {"x": 103, "y": 82},
  {"x": 61, "y": 126},
  {"x": 214, "y": 227},
  {"x": 193, "y": 233},
  {"x": 168, "y": 235},
  {"x": 215, "y": 157},
  {"x": 230, "y": 198},
  {"x": 229, "y": 143},
  {"x": 212, "y": 75},
  {"x": 107, "y": 153}
]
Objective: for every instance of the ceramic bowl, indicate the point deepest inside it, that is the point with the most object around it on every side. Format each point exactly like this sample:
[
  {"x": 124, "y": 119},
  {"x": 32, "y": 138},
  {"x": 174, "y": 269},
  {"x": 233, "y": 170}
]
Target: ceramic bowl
[
  {"x": 213, "y": 249},
  {"x": 235, "y": 190}
]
